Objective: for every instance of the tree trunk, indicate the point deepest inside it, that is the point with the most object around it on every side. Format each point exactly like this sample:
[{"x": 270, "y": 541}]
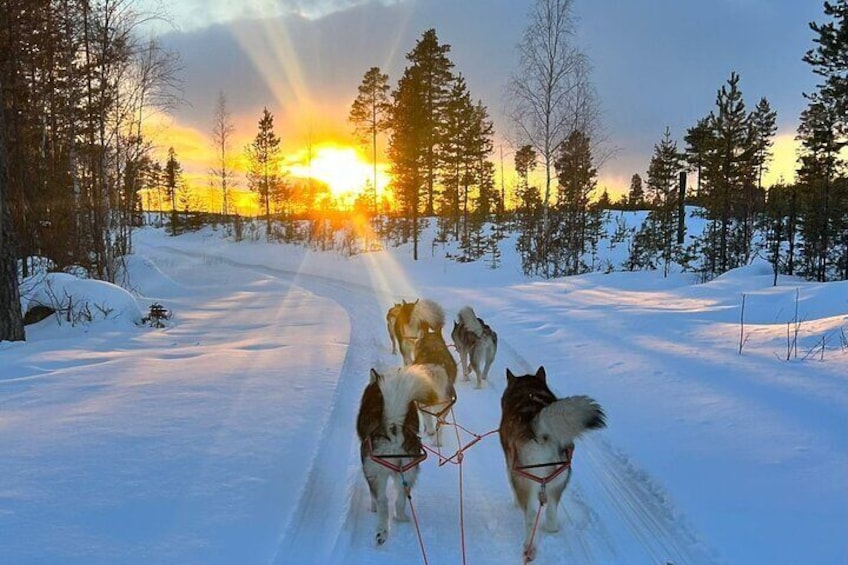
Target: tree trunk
[{"x": 11, "y": 323}]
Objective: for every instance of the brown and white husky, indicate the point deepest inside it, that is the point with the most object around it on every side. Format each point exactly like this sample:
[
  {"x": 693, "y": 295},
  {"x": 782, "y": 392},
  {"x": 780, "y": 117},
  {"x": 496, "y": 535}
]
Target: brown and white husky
[
  {"x": 431, "y": 353},
  {"x": 414, "y": 319},
  {"x": 537, "y": 428},
  {"x": 387, "y": 426}
]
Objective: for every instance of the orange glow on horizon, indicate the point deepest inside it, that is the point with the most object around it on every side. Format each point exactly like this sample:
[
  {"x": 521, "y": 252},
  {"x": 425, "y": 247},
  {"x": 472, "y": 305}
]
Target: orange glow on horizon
[{"x": 341, "y": 168}]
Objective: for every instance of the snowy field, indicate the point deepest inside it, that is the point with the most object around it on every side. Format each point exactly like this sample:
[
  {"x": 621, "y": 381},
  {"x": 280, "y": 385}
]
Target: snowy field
[{"x": 228, "y": 436}]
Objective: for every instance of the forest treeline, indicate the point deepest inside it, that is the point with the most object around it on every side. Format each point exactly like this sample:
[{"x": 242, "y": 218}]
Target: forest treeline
[{"x": 78, "y": 83}]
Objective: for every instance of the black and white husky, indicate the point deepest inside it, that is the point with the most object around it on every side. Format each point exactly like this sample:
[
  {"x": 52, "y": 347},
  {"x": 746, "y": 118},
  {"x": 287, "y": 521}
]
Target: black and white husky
[
  {"x": 387, "y": 425},
  {"x": 537, "y": 428},
  {"x": 476, "y": 344}
]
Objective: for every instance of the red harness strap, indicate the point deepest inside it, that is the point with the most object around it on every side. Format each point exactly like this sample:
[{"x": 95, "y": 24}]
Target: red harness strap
[
  {"x": 384, "y": 460},
  {"x": 561, "y": 467},
  {"x": 438, "y": 414}
]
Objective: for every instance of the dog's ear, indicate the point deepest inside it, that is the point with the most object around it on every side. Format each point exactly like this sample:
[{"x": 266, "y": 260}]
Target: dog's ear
[
  {"x": 509, "y": 376},
  {"x": 416, "y": 301},
  {"x": 540, "y": 374},
  {"x": 403, "y": 301},
  {"x": 375, "y": 377}
]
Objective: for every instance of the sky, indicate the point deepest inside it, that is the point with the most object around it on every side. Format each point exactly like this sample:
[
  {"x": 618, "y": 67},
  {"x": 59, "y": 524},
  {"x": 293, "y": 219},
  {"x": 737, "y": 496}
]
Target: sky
[
  {"x": 656, "y": 63},
  {"x": 228, "y": 436}
]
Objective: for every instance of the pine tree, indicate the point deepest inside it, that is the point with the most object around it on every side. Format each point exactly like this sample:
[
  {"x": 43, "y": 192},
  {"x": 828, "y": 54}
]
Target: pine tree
[
  {"x": 404, "y": 151},
  {"x": 636, "y": 194},
  {"x": 764, "y": 124},
  {"x": 699, "y": 139},
  {"x": 657, "y": 238},
  {"x": 823, "y": 132},
  {"x": 173, "y": 176},
  {"x": 577, "y": 177},
  {"x": 429, "y": 60},
  {"x": 830, "y": 60},
  {"x": 728, "y": 172},
  {"x": 263, "y": 161},
  {"x": 369, "y": 115},
  {"x": 11, "y": 324}
]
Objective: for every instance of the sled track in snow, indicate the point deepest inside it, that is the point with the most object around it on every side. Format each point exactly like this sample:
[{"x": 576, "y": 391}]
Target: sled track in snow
[{"x": 612, "y": 513}]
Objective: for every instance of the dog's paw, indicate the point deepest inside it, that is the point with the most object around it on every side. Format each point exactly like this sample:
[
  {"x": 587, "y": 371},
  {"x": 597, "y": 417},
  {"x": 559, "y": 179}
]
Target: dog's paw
[
  {"x": 401, "y": 517},
  {"x": 550, "y": 526},
  {"x": 382, "y": 536}
]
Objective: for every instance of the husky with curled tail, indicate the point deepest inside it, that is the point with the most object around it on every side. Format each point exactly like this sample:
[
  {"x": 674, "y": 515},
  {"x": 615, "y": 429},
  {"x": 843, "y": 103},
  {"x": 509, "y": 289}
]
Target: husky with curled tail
[
  {"x": 476, "y": 344},
  {"x": 431, "y": 353},
  {"x": 387, "y": 425},
  {"x": 413, "y": 320},
  {"x": 537, "y": 428}
]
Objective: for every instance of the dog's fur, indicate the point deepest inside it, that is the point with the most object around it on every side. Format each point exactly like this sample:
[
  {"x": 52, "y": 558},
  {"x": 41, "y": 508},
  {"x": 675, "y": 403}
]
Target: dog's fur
[
  {"x": 432, "y": 353},
  {"x": 391, "y": 320},
  {"x": 388, "y": 418},
  {"x": 476, "y": 343},
  {"x": 536, "y": 428}
]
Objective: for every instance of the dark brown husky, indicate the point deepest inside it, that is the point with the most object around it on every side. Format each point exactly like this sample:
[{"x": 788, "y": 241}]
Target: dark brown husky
[{"x": 537, "y": 428}]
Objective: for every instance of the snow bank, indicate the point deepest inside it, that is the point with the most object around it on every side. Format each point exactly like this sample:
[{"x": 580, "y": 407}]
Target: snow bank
[{"x": 80, "y": 301}]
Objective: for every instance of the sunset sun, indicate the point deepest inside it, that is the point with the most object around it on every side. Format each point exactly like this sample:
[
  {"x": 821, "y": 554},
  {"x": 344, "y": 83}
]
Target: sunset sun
[{"x": 342, "y": 168}]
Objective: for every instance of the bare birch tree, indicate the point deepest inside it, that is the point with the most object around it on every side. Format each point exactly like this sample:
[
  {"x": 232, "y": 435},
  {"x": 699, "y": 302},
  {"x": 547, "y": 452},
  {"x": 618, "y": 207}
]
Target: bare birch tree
[
  {"x": 222, "y": 132},
  {"x": 550, "y": 93}
]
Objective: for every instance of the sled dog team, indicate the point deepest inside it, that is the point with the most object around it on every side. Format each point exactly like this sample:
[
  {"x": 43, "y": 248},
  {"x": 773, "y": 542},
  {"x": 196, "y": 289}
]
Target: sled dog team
[{"x": 536, "y": 427}]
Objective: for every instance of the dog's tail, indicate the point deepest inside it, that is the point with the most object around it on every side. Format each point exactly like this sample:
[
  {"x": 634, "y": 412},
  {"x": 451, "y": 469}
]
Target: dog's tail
[
  {"x": 466, "y": 317},
  {"x": 429, "y": 313},
  {"x": 400, "y": 387},
  {"x": 567, "y": 418}
]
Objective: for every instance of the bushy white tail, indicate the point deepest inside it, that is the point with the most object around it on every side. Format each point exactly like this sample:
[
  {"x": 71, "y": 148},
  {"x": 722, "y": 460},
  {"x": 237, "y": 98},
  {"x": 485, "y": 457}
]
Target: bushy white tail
[
  {"x": 402, "y": 386},
  {"x": 466, "y": 317},
  {"x": 567, "y": 418},
  {"x": 428, "y": 312}
]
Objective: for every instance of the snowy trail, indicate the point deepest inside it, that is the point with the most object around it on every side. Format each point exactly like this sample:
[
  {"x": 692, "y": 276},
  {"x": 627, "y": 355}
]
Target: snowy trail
[{"x": 613, "y": 511}]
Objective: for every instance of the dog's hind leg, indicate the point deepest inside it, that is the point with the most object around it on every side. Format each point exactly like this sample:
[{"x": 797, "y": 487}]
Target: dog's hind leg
[
  {"x": 382, "y": 510},
  {"x": 554, "y": 492},
  {"x": 528, "y": 498},
  {"x": 400, "y": 502},
  {"x": 463, "y": 359},
  {"x": 475, "y": 365}
]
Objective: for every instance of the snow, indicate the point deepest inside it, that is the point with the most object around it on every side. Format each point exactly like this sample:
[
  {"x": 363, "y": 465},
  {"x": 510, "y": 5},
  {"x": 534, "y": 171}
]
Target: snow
[{"x": 228, "y": 436}]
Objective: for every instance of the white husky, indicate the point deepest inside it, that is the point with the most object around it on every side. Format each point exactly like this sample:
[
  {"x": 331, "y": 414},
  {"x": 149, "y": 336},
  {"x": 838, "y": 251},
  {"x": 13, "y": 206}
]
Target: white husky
[{"x": 387, "y": 425}]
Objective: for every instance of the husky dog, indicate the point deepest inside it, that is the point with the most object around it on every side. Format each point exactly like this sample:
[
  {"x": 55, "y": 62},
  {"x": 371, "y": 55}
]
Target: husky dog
[
  {"x": 476, "y": 342},
  {"x": 415, "y": 319},
  {"x": 538, "y": 428},
  {"x": 432, "y": 354},
  {"x": 391, "y": 319},
  {"x": 387, "y": 424}
]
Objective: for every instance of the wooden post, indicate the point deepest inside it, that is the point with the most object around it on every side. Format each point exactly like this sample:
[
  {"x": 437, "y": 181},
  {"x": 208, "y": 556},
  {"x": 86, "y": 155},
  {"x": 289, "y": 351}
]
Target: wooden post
[{"x": 681, "y": 209}]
